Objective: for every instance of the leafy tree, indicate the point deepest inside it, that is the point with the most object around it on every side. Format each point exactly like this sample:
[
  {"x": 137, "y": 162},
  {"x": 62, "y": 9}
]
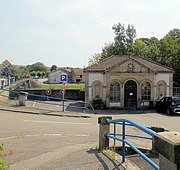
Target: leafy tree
[
  {"x": 39, "y": 74},
  {"x": 43, "y": 74},
  {"x": 95, "y": 59},
  {"x": 19, "y": 71},
  {"x": 175, "y": 33},
  {"x": 53, "y": 68},
  {"x": 122, "y": 44},
  {"x": 33, "y": 73},
  {"x": 139, "y": 48},
  {"x": 37, "y": 67},
  {"x": 124, "y": 38}
]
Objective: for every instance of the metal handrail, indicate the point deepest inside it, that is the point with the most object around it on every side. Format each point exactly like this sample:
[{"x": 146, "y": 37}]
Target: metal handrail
[
  {"x": 124, "y": 141},
  {"x": 57, "y": 99}
]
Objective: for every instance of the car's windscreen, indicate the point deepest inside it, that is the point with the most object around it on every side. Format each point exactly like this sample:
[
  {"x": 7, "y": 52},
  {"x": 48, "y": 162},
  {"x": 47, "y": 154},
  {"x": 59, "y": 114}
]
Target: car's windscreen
[{"x": 176, "y": 101}]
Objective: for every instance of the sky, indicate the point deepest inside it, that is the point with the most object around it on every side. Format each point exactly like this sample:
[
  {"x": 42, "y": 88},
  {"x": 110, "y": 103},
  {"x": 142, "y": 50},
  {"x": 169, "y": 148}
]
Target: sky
[{"x": 68, "y": 32}]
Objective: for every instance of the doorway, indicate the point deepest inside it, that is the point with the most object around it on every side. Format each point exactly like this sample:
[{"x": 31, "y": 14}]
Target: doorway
[{"x": 130, "y": 94}]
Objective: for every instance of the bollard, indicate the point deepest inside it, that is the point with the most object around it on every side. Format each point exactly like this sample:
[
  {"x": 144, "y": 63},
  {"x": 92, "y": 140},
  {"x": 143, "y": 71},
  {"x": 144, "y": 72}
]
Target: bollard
[
  {"x": 168, "y": 146},
  {"x": 104, "y": 128},
  {"x": 22, "y": 98}
]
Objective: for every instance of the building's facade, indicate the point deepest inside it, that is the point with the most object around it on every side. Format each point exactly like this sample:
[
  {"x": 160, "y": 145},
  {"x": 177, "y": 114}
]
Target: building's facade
[
  {"x": 75, "y": 75},
  {"x": 120, "y": 79},
  {"x": 54, "y": 77}
]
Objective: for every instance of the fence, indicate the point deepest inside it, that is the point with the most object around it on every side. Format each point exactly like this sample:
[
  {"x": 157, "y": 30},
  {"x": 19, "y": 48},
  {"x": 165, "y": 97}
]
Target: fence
[
  {"x": 44, "y": 99},
  {"x": 166, "y": 143},
  {"x": 124, "y": 122}
]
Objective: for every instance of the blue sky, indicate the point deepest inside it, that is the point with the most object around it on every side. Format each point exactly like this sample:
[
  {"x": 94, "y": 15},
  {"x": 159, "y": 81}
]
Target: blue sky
[{"x": 69, "y": 32}]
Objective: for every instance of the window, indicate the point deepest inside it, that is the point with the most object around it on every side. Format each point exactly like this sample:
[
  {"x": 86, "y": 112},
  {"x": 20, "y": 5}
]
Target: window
[
  {"x": 145, "y": 91},
  {"x": 115, "y": 92}
]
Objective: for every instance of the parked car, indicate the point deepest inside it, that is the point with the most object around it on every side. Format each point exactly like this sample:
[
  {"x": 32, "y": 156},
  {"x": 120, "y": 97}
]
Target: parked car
[{"x": 168, "y": 105}]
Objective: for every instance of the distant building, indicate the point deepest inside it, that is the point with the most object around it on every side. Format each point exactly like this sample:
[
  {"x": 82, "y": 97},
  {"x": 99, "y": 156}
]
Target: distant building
[
  {"x": 75, "y": 75},
  {"x": 120, "y": 79}
]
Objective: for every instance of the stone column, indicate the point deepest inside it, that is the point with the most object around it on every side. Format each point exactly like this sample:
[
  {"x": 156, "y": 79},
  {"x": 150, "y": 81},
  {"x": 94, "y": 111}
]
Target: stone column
[
  {"x": 168, "y": 146},
  {"x": 104, "y": 128},
  {"x": 22, "y": 98}
]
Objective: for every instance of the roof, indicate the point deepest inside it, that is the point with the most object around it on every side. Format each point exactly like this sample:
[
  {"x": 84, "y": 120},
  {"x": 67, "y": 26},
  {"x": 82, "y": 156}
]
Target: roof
[
  {"x": 78, "y": 71},
  {"x": 112, "y": 61}
]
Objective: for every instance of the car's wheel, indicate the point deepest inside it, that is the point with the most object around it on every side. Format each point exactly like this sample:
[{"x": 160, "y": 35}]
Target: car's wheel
[{"x": 168, "y": 112}]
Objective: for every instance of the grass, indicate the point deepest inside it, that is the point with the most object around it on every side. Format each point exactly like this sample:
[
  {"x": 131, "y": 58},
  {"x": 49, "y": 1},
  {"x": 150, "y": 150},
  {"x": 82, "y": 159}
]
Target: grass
[{"x": 60, "y": 86}]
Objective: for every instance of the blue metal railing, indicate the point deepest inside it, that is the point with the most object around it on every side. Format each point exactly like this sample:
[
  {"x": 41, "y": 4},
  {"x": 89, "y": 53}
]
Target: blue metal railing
[
  {"x": 127, "y": 122},
  {"x": 87, "y": 106}
]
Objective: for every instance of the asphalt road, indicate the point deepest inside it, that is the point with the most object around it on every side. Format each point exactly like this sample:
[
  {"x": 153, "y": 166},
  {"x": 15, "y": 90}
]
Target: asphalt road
[{"x": 47, "y": 141}]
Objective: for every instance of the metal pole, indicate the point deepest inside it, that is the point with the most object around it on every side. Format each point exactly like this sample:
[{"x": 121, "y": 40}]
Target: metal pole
[
  {"x": 114, "y": 135},
  {"x": 63, "y": 101},
  {"x": 123, "y": 143}
]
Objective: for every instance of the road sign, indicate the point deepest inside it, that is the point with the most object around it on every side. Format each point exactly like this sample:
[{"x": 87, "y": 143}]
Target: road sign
[
  {"x": 6, "y": 69},
  {"x": 6, "y": 63},
  {"x": 48, "y": 92},
  {"x": 62, "y": 92},
  {"x": 63, "y": 77}
]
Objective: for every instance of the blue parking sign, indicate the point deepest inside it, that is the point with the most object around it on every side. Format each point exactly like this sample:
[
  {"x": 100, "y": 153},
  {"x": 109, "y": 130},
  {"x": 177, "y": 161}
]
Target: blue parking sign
[{"x": 63, "y": 77}]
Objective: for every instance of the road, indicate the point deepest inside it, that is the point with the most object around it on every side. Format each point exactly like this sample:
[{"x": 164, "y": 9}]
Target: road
[{"x": 50, "y": 140}]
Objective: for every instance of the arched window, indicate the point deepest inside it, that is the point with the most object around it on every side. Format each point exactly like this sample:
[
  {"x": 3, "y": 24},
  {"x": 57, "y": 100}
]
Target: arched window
[
  {"x": 115, "y": 92},
  {"x": 145, "y": 91}
]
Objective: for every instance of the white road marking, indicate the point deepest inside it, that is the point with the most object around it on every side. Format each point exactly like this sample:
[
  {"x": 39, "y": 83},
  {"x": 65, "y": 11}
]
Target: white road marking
[
  {"x": 52, "y": 122},
  {"x": 37, "y": 135},
  {"x": 157, "y": 116},
  {"x": 12, "y": 137},
  {"x": 56, "y": 134}
]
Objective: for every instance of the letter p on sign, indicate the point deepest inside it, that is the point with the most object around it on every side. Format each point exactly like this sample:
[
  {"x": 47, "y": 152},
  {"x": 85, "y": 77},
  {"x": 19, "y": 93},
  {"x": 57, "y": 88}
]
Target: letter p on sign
[{"x": 63, "y": 77}]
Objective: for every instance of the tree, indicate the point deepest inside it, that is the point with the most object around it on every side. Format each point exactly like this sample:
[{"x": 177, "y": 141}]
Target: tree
[
  {"x": 53, "y": 68},
  {"x": 124, "y": 38},
  {"x": 37, "y": 67},
  {"x": 122, "y": 44},
  {"x": 170, "y": 53},
  {"x": 39, "y": 74},
  {"x": 95, "y": 59},
  {"x": 139, "y": 48},
  {"x": 33, "y": 73},
  {"x": 19, "y": 71}
]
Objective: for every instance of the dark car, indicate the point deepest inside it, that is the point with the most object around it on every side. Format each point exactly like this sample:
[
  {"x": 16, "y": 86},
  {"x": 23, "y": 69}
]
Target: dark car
[{"x": 168, "y": 105}]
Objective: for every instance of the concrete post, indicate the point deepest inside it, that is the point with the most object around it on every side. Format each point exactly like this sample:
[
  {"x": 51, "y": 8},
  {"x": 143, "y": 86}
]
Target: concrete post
[
  {"x": 168, "y": 146},
  {"x": 22, "y": 98},
  {"x": 104, "y": 128}
]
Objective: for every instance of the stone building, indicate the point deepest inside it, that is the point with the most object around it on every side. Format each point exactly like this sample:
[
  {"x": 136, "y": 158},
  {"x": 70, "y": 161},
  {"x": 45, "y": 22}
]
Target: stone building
[
  {"x": 75, "y": 75},
  {"x": 120, "y": 79}
]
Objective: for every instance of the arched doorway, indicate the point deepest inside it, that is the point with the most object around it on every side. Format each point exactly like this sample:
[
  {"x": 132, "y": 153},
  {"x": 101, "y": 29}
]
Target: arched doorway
[{"x": 130, "y": 93}]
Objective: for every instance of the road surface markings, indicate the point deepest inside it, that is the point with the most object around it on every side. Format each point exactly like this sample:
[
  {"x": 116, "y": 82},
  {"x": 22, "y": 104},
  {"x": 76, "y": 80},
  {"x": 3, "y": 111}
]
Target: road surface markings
[
  {"x": 52, "y": 122},
  {"x": 38, "y": 135},
  {"x": 156, "y": 116},
  {"x": 7, "y": 138},
  {"x": 77, "y": 135}
]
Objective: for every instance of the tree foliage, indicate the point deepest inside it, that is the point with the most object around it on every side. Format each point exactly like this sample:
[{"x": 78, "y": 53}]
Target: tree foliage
[
  {"x": 165, "y": 51},
  {"x": 38, "y": 66},
  {"x": 53, "y": 68}
]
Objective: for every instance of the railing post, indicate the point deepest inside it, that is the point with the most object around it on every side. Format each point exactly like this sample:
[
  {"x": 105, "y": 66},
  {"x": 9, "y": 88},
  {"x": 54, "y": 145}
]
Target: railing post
[
  {"x": 114, "y": 135},
  {"x": 123, "y": 143},
  {"x": 168, "y": 146},
  {"x": 22, "y": 98},
  {"x": 104, "y": 128}
]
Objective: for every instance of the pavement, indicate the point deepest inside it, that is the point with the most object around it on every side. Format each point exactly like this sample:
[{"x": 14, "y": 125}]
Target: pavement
[
  {"x": 78, "y": 156},
  {"x": 66, "y": 157}
]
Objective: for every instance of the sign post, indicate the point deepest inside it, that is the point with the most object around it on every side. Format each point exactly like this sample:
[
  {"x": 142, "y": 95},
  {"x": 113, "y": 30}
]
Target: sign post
[{"x": 63, "y": 79}]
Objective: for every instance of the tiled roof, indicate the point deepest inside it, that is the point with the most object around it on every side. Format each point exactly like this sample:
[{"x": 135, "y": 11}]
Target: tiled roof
[
  {"x": 114, "y": 60},
  {"x": 78, "y": 71}
]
